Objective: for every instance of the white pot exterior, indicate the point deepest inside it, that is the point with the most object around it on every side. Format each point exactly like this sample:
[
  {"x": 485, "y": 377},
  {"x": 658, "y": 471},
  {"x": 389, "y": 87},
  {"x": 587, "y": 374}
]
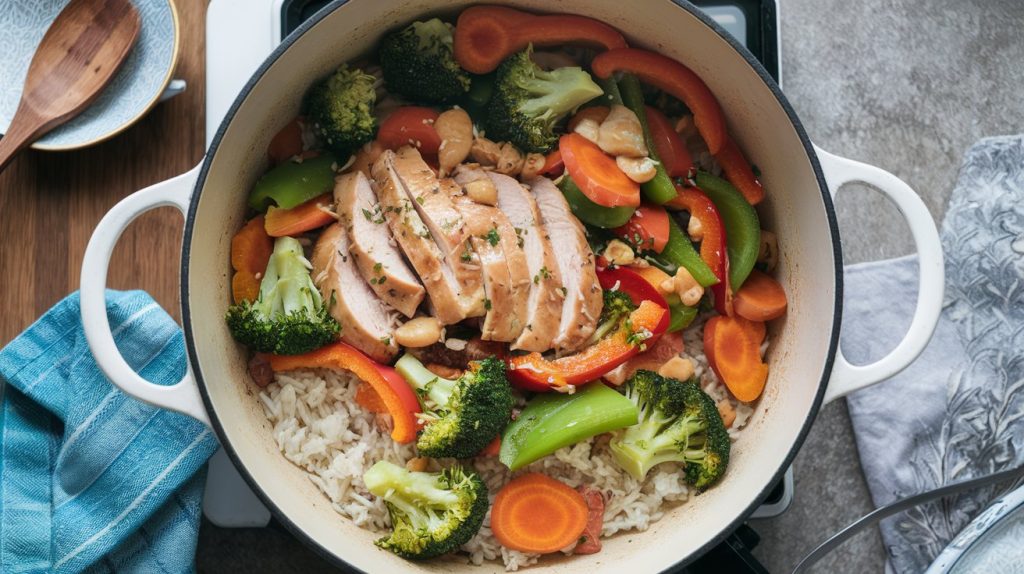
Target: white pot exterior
[{"x": 798, "y": 209}]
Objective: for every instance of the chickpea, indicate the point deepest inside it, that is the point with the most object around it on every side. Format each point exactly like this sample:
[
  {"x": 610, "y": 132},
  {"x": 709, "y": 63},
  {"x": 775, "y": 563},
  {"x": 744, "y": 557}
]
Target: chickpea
[
  {"x": 638, "y": 169},
  {"x": 419, "y": 332},
  {"x": 622, "y": 134},
  {"x": 456, "y": 132},
  {"x": 677, "y": 368},
  {"x": 482, "y": 191},
  {"x": 619, "y": 253}
]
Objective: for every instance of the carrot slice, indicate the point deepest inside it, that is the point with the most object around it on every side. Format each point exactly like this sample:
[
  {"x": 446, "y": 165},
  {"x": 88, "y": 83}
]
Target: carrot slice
[
  {"x": 303, "y": 217},
  {"x": 761, "y": 298},
  {"x": 596, "y": 173},
  {"x": 596, "y": 113},
  {"x": 538, "y": 514},
  {"x": 244, "y": 286},
  {"x": 733, "y": 348},
  {"x": 647, "y": 229},
  {"x": 668, "y": 144},
  {"x": 674, "y": 78},
  {"x": 391, "y": 388},
  {"x": 251, "y": 247},
  {"x": 492, "y": 448},
  {"x": 486, "y": 35},
  {"x": 410, "y": 125},
  {"x": 739, "y": 172},
  {"x": 286, "y": 143}
]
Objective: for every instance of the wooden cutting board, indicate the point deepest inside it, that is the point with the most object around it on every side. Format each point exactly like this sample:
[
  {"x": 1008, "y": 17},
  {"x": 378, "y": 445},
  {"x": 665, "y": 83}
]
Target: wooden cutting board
[{"x": 51, "y": 201}]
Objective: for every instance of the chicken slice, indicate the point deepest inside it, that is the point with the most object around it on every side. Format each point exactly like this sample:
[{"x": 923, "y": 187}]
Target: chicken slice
[
  {"x": 544, "y": 302},
  {"x": 503, "y": 265},
  {"x": 413, "y": 236},
  {"x": 583, "y": 299},
  {"x": 367, "y": 323},
  {"x": 372, "y": 246},
  {"x": 432, "y": 200}
]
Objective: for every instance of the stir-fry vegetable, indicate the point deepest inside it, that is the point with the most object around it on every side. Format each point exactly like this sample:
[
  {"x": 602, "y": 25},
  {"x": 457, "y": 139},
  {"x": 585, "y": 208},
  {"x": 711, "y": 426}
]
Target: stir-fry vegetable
[
  {"x": 589, "y": 212},
  {"x": 742, "y": 228},
  {"x": 486, "y": 35},
  {"x": 639, "y": 283},
  {"x": 250, "y": 250},
  {"x": 417, "y": 62},
  {"x": 733, "y": 348},
  {"x": 679, "y": 252},
  {"x": 660, "y": 189},
  {"x": 340, "y": 109},
  {"x": 293, "y": 183},
  {"x": 396, "y": 395},
  {"x": 411, "y": 125},
  {"x": 312, "y": 214},
  {"x": 553, "y": 420},
  {"x": 286, "y": 143},
  {"x": 462, "y": 415},
  {"x": 669, "y": 146},
  {"x": 674, "y": 78},
  {"x": 538, "y": 514},
  {"x": 535, "y": 373},
  {"x": 761, "y": 298},
  {"x": 288, "y": 317},
  {"x": 431, "y": 513},
  {"x": 528, "y": 101},
  {"x": 739, "y": 172},
  {"x": 595, "y": 173},
  {"x": 712, "y": 242},
  {"x": 678, "y": 422},
  {"x": 647, "y": 228}
]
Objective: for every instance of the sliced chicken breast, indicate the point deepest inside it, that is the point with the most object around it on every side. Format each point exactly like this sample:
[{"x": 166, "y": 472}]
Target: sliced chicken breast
[
  {"x": 373, "y": 247},
  {"x": 580, "y": 288},
  {"x": 432, "y": 200},
  {"x": 544, "y": 302},
  {"x": 415, "y": 240},
  {"x": 367, "y": 322},
  {"x": 503, "y": 265}
]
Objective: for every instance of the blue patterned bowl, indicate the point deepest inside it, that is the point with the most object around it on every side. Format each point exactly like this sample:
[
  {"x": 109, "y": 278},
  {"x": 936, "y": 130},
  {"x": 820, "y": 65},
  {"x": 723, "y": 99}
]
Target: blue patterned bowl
[
  {"x": 991, "y": 543},
  {"x": 132, "y": 92}
]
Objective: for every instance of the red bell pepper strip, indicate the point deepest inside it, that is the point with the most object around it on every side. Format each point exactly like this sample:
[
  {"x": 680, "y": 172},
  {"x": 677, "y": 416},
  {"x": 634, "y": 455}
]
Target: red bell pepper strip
[
  {"x": 631, "y": 283},
  {"x": 739, "y": 172},
  {"x": 712, "y": 245},
  {"x": 553, "y": 165},
  {"x": 486, "y": 35},
  {"x": 674, "y": 78},
  {"x": 304, "y": 217},
  {"x": 533, "y": 372},
  {"x": 647, "y": 229},
  {"x": 669, "y": 145},
  {"x": 394, "y": 392},
  {"x": 411, "y": 125}
]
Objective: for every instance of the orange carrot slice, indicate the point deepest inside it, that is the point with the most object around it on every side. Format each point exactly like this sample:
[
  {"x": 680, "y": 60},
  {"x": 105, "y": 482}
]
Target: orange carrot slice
[
  {"x": 244, "y": 287},
  {"x": 761, "y": 298},
  {"x": 287, "y": 143},
  {"x": 538, "y": 514},
  {"x": 596, "y": 174},
  {"x": 733, "y": 348},
  {"x": 301, "y": 218},
  {"x": 251, "y": 247}
]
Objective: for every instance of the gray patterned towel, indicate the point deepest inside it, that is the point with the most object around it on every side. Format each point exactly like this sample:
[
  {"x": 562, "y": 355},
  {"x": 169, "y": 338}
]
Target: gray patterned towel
[{"x": 958, "y": 411}]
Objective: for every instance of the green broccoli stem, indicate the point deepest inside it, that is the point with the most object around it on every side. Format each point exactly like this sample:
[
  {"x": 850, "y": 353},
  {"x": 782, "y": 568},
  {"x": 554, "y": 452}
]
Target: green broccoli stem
[
  {"x": 416, "y": 494},
  {"x": 286, "y": 286},
  {"x": 426, "y": 384},
  {"x": 660, "y": 189}
]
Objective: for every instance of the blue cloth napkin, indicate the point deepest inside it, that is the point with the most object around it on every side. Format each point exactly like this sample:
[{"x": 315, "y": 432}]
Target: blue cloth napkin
[
  {"x": 958, "y": 411},
  {"x": 90, "y": 479}
]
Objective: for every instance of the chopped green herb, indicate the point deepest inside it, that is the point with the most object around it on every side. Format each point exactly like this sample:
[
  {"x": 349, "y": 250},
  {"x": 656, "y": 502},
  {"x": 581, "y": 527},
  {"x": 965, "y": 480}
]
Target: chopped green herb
[
  {"x": 492, "y": 236},
  {"x": 377, "y": 267},
  {"x": 487, "y": 304}
]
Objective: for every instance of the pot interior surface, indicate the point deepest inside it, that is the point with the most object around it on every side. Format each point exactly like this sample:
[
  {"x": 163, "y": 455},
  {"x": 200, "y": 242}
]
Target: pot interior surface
[{"x": 795, "y": 209}]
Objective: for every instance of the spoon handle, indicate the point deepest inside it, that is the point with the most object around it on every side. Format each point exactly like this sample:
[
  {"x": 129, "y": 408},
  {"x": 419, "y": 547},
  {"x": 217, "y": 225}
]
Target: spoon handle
[{"x": 24, "y": 129}]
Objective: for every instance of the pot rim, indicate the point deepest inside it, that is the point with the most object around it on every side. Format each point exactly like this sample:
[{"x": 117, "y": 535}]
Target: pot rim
[{"x": 830, "y": 213}]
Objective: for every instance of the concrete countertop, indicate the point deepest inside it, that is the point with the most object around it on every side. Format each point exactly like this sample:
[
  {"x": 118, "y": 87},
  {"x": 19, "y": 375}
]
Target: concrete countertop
[{"x": 900, "y": 84}]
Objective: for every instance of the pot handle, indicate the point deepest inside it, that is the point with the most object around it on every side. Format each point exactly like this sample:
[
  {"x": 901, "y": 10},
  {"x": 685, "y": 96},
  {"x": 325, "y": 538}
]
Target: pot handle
[
  {"x": 182, "y": 397},
  {"x": 847, "y": 377}
]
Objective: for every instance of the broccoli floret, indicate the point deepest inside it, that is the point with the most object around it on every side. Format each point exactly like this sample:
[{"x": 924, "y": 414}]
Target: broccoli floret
[
  {"x": 528, "y": 101},
  {"x": 678, "y": 422},
  {"x": 289, "y": 316},
  {"x": 418, "y": 63},
  {"x": 617, "y": 306},
  {"x": 340, "y": 108},
  {"x": 463, "y": 415},
  {"x": 431, "y": 513}
]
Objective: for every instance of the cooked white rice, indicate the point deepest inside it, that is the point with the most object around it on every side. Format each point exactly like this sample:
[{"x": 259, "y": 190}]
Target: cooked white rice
[{"x": 320, "y": 428}]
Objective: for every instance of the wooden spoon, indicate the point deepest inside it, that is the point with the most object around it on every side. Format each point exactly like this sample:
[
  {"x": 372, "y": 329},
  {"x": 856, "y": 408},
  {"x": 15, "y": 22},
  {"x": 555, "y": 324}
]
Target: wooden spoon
[{"x": 77, "y": 57}]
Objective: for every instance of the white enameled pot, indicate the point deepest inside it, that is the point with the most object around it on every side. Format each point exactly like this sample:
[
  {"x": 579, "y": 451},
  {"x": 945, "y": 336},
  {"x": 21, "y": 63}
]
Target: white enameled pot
[{"x": 806, "y": 365}]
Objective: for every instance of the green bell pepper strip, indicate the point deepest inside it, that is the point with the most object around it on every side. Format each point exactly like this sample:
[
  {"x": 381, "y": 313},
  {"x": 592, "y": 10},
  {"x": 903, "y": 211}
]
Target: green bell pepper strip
[
  {"x": 551, "y": 421},
  {"x": 591, "y": 213},
  {"x": 293, "y": 183},
  {"x": 611, "y": 96},
  {"x": 742, "y": 228},
  {"x": 660, "y": 189},
  {"x": 679, "y": 251},
  {"x": 680, "y": 317}
]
